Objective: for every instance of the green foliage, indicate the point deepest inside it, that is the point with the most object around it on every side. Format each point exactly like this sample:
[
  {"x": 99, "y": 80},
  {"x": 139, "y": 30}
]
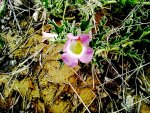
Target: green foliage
[
  {"x": 46, "y": 3},
  {"x": 127, "y": 2},
  {"x": 123, "y": 41},
  {"x": 66, "y": 27},
  {"x": 1, "y": 43},
  {"x": 85, "y": 24},
  {"x": 56, "y": 8},
  {"x": 62, "y": 30},
  {"x": 57, "y": 29},
  {"x": 146, "y": 32},
  {"x": 2, "y": 7}
]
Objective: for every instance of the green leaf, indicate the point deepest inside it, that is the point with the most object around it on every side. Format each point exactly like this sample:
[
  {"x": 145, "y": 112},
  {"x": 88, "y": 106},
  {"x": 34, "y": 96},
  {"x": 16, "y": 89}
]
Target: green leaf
[
  {"x": 133, "y": 54},
  {"x": 45, "y": 3},
  {"x": 1, "y": 43},
  {"x": 146, "y": 32},
  {"x": 2, "y": 7},
  {"x": 58, "y": 29},
  {"x": 146, "y": 40},
  {"x": 122, "y": 2},
  {"x": 103, "y": 21},
  {"x": 127, "y": 2},
  {"x": 85, "y": 24}
]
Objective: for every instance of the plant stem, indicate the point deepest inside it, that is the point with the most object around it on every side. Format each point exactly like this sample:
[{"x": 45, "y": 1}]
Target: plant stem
[
  {"x": 66, "y": 3},
  {"x": 115, "y": 2}
]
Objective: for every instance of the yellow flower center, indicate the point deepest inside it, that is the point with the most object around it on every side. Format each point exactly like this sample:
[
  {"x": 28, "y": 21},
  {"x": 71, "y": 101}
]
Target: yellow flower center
[{"x": 76, "y": 47}]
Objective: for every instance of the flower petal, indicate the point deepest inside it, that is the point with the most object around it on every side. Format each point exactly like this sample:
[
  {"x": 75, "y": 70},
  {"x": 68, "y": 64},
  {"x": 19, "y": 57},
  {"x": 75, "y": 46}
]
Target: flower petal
[
  {"x": 69, "y": 60},
  {"x": 49, "y": 36},
  {"x": 85, "y": 39},
  {"x": 66, "y": 45},
  {"x": 72, "y": 37},
  {"x": 86, "y": 55}
]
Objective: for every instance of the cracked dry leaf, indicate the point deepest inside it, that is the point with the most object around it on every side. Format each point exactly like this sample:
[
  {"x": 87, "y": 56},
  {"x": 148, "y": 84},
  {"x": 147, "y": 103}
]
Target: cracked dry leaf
[{"x": 45, "y": 80}]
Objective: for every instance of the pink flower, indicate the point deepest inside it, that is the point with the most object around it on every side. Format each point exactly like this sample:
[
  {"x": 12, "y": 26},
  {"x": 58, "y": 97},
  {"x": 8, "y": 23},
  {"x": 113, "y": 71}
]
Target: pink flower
[{"x": 76, "y": 48}]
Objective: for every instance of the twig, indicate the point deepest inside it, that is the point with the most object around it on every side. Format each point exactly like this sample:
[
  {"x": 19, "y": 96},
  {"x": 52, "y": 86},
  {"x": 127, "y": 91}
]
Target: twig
[
  {"x": 79, "y": 98},
  {"x": 20, "y": 8},
  {"x": 35, "y": 54},
  {"x": 25, "y": 39},
  {"x": 90, "y": 103},
  {"x": 133, "y": 71},
  {"x": 116, "y": 72},
  {"x": 132, "y": 104},
  {"x": 78, "y": 75},
  {"x": 15, "y": 16}
]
